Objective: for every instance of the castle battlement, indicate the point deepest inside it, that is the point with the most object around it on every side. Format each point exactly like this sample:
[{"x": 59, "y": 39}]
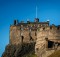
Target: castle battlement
[
  {"x": 40, "y": 33},
  {"x": 46, "y": 28},
  {"x": 31, "y": 31}
]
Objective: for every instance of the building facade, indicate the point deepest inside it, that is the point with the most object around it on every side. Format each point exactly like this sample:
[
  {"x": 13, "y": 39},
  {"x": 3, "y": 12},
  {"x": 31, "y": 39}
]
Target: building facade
[
  {"x": 44, "y": 35},
  {"x": 25, "y": 32},
  {"x": 48, "y": 38}
]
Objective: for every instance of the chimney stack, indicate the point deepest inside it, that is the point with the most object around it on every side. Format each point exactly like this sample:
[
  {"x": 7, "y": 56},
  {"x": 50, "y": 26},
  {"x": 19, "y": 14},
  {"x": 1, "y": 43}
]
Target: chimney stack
[{"x": 15, "y": 22}]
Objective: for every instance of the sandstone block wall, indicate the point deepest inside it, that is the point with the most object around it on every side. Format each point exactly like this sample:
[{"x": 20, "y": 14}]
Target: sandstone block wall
[
  {"x": 16, "y": 33},
  {"x": 43, "y": 33}
]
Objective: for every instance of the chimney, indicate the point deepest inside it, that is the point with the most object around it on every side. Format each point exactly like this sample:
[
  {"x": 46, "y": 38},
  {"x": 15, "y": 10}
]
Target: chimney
[{"x": 15, "y": 22}]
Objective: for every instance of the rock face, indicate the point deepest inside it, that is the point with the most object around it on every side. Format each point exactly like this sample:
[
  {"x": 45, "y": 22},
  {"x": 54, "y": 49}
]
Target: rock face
[{"x": 18, "y": 50}]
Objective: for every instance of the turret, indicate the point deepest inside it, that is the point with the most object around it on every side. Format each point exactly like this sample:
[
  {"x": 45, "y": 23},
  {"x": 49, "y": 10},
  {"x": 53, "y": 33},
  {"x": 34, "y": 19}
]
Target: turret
[{"x": 15, "y": 22}]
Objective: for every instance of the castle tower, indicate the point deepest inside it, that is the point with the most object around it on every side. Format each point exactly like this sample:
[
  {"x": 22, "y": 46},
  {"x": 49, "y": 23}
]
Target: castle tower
[{"x": 15, "y": 37}]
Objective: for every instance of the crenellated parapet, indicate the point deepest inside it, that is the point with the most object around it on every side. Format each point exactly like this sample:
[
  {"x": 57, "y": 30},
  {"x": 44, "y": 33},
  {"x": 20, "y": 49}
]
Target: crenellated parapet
[
  {"x": 18, "y": 35},
  {"x": 33, "y": 31},
  {"x": 46, "y": 28},
  {"x": 48, "y": 37},
  {"x": 25, "y": 32}
]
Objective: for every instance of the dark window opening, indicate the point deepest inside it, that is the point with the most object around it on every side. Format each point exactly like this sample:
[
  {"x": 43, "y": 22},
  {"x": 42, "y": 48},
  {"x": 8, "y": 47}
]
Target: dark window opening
[
  {"x": 58, "y": 44},
  {"x": 44, "y": 28},
  {"x": 51, "y": 27},
  {"x": 58, "y": 28},
  {"x": 50, "y": 44},
  {"x": 29, "y": 33},
  {"x": 37, "y": 49},
  {"x": 31, "y": 38},
  {"x": 22, "y": 38},
  {"x": 35, "y": 34}
]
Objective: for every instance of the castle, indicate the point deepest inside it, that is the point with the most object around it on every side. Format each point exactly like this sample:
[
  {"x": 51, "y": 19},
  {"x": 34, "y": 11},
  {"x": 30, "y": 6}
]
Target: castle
[
  {"x": 25, "y": 32},
  {"x": 39, "y": 32}
]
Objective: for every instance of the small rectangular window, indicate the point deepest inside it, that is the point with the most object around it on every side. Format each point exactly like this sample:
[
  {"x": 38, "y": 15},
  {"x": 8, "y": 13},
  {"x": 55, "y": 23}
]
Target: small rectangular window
[
  {"x": 58, "y": 28},
  {"x": 44, "y": 28},
  {"x": 35, "y": 34},
  {"x": 51, "y": 27}
]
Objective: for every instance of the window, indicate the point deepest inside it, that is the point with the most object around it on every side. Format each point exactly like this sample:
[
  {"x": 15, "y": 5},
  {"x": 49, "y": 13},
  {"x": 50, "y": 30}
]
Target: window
[
  {"x": 35, "y": 34},
  {"x": 22, "y": 38},
  {"x": 37, "y": 49},
  {"x": 51, "y": 27},
  {"x": 44, "y": 28},
  {"x": 58, "y": 28},
  {"x": 46, "y": 39},
  {"x": 31, "y": 38}
]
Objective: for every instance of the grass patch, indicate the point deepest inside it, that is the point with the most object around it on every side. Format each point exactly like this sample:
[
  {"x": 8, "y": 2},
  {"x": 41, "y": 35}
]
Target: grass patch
[
  {"x": 55, "y": 54},
  {"x": 30, "y": 55}
]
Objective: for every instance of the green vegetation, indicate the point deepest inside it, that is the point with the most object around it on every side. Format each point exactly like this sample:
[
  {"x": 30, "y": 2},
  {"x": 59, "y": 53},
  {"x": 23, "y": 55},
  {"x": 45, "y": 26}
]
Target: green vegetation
[{"x": 55, "y": 54}]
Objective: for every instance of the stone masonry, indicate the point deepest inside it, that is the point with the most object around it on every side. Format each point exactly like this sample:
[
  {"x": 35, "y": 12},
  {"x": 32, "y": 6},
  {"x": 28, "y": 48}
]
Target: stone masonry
[
  {"x": 46, "y": 36},
  {"x": 39, "y": 32},
  {"x": 25, "y": 32}
]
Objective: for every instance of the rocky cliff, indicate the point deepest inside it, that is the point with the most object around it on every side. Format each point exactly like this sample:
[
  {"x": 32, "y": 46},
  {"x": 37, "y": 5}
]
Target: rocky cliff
[{"x": 19, "y": 50}]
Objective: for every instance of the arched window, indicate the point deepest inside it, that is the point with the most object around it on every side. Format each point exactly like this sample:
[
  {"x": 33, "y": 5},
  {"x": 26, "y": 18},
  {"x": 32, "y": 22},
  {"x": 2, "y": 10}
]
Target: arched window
[{"x": 46, "y": 39}]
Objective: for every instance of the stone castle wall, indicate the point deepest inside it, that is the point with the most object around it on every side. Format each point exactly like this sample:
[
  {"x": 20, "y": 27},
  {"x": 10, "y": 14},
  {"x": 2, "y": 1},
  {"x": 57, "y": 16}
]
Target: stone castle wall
[
  {"x": 39, "y": 33},
  {"x": 50, "y": 33},
  {"x": 16, "y": 33},
  {"x": 46, "y": 33}
]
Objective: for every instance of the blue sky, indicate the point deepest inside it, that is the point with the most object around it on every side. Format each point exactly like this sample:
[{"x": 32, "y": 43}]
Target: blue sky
[{"x": 23, "y": 10}]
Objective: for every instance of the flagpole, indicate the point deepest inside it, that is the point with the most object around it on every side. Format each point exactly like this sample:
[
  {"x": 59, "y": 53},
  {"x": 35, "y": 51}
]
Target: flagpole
[{"x": 36, "y": 11}]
